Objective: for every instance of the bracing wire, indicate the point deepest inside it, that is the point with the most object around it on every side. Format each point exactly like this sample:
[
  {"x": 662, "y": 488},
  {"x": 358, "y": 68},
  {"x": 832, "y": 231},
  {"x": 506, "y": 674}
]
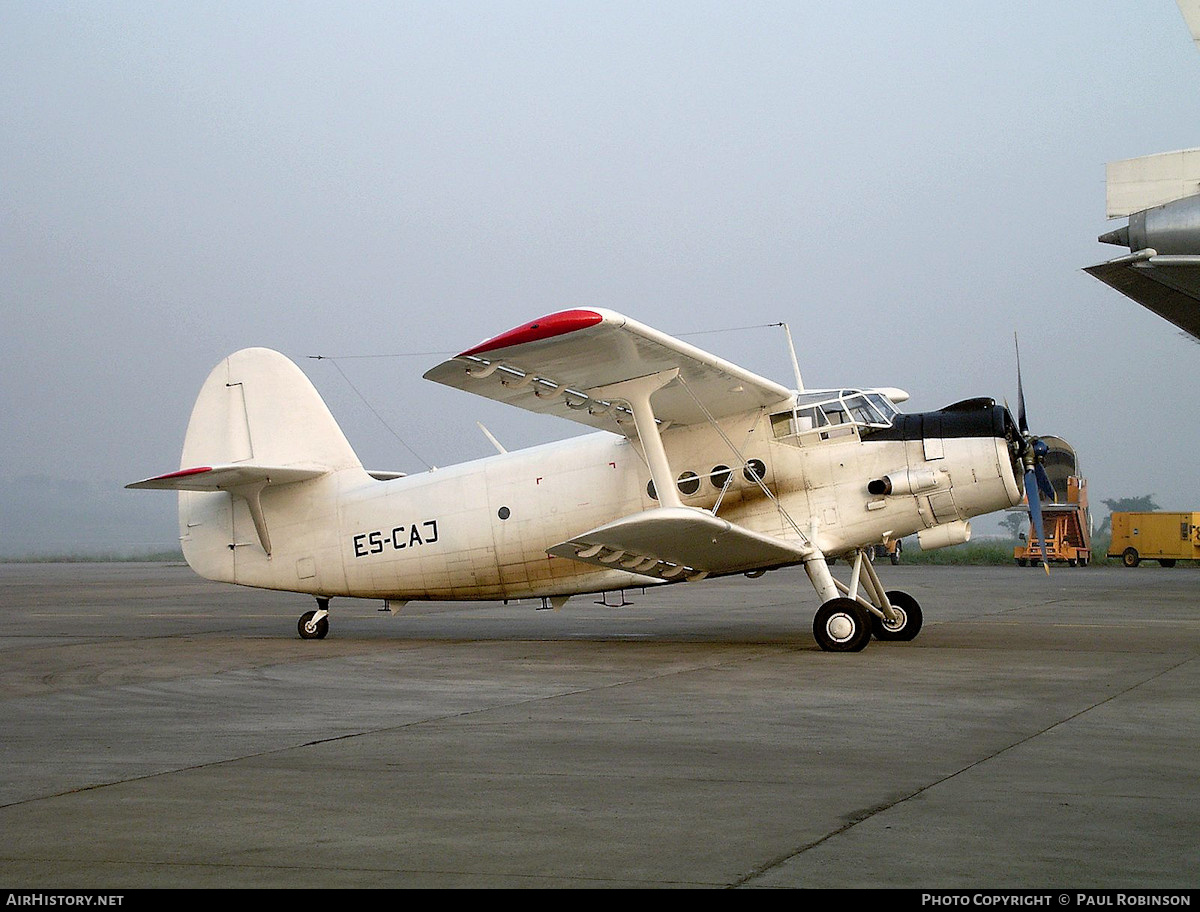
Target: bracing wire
[
  {"x": 448, "y": 354},
  {"x": 429, "y": 354},
  {"x": 443, "y": 354},
  {"x": 375, "y": 411},
  {"x": 744, "y": 463}
]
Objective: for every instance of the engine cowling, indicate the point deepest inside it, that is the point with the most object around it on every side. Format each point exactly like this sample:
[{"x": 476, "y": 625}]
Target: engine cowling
[{"x": 1170, "y": 230}]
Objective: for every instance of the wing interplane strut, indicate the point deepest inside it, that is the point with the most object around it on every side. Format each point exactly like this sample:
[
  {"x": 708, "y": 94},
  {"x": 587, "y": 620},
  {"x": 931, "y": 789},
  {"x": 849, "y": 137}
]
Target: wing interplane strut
[{"x": 637, "y": 393}]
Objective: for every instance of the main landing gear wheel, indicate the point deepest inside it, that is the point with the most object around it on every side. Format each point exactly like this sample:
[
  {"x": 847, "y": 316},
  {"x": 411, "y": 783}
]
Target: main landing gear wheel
[
  {"x": 907, "y": 626},
  {"x": 842, "y": 625},
  {"x": 310, "y": 630}
]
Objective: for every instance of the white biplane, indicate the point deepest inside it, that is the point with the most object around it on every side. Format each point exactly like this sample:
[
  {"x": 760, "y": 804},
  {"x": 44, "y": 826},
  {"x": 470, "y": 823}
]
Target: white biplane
[{"x": 701, "y": 469}]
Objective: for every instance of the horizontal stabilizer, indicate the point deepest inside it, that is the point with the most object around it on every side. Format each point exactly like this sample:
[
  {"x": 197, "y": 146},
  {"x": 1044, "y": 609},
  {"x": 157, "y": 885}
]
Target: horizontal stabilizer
[
  {"x": 243, "y": 481},
  {"x": 678, "y": 543},
  {"x": 226, "y": 477}
]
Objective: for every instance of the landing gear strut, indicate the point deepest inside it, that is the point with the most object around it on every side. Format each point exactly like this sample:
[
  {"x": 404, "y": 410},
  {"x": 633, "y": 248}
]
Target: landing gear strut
[
  {"x": 847, "y": 619},
  {"x": 313, "y": 625}
]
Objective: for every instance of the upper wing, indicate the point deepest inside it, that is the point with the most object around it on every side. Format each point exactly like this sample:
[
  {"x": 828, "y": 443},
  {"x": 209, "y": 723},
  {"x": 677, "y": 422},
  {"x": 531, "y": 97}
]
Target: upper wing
[{"x": 553, "y": 364}]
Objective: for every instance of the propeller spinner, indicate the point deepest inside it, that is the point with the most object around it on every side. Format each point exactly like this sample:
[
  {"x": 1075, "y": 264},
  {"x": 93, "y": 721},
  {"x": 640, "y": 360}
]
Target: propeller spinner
[{"x": 1033, "y": 458}]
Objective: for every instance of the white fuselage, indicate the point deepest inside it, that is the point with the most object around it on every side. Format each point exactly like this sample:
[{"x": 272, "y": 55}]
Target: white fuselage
[{"x": 481, "y": 530}]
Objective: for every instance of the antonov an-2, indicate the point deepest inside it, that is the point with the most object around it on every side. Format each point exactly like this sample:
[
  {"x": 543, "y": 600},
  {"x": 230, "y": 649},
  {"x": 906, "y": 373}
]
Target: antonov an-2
[{"x": 700, "y": 469}]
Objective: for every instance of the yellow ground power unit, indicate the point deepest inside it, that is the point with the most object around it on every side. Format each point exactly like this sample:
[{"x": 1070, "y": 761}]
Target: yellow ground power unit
[{"x": 1162, "y": 536}]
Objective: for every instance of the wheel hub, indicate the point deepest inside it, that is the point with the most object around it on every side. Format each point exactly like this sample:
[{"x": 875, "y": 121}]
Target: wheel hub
[{"x": 840, "y": 627}]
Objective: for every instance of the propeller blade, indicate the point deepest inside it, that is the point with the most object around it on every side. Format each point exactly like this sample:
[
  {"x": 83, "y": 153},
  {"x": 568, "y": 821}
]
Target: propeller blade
[
  {"x": 1035, "y": 513},
  {"x": 1033, "y": 453},
  {"x": 1043, "y": 481},
  {"x": 1021, "y": 422}
]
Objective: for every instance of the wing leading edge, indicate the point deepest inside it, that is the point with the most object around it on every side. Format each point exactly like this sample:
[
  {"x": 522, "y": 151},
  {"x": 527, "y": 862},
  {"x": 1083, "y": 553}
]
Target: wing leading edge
[{"x": 560, "y": 363}]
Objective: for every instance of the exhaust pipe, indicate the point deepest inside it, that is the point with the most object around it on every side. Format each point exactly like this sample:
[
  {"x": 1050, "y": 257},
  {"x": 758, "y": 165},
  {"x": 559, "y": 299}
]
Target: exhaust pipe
[{"x": 908, "y": 481}]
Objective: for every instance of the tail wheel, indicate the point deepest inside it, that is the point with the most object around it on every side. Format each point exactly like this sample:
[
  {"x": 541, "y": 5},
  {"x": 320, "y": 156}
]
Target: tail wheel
[
  {"x": 842, "y": 625},
  {"x": 906, "y": 626}
]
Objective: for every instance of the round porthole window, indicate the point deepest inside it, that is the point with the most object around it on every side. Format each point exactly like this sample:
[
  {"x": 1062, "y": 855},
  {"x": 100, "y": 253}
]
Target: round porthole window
[
  {"x": 755, "y": 470},
  {"x": 650, "y": 490},
  {"x": 689, "y": 483},
  {"x": 504, "y": 513},
  {"x": 719, "y": 476}
]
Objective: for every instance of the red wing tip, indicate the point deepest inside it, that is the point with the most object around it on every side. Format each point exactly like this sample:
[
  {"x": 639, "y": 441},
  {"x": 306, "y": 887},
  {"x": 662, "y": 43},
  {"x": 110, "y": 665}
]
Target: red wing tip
[
  {"x": 547, "y": 327},
  {"x": 183, "y": 473}
]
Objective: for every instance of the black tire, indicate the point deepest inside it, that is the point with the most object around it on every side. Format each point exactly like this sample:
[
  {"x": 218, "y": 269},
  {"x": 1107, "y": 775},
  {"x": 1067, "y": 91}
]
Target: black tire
[
  {"x": 842, "y": 625},
  {"x": 1130, "y": 558},
  {"x": 317, "y": 634},
  {"x": 1021, "y": 562},
  {"x": 910, "y": 623}
]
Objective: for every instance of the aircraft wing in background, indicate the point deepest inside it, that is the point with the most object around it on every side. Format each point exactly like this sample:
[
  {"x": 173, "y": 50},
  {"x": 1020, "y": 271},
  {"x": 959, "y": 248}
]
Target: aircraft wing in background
[{"x": 1160, "y": 195}]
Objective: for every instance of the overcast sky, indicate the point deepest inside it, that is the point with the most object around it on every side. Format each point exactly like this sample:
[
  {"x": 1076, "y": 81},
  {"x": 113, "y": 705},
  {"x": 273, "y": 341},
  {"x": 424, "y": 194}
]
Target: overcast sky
[{"x": 905, "y": 184}]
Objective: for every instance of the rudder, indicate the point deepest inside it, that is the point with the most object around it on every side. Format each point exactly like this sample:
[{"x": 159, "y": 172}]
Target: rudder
[{"x": 257, "y": 406}]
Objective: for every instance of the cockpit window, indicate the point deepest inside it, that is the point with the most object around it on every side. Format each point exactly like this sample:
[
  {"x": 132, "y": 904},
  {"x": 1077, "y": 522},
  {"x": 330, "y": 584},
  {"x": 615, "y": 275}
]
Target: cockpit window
[
  {"x": 829, "y": 409},
  {"x": 864, "y": 412},
  {"x": 835, "y": 412},
  {"x": 884, "y": 406},
  {"x": 809, "y": 419}
]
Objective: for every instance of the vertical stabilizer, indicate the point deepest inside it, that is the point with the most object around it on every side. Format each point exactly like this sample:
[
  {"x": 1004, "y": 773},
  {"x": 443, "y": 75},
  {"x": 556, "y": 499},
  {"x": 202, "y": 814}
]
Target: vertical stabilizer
[
  {"x": 258, "y": 407},
  {"x": 263, "y": 460}
]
